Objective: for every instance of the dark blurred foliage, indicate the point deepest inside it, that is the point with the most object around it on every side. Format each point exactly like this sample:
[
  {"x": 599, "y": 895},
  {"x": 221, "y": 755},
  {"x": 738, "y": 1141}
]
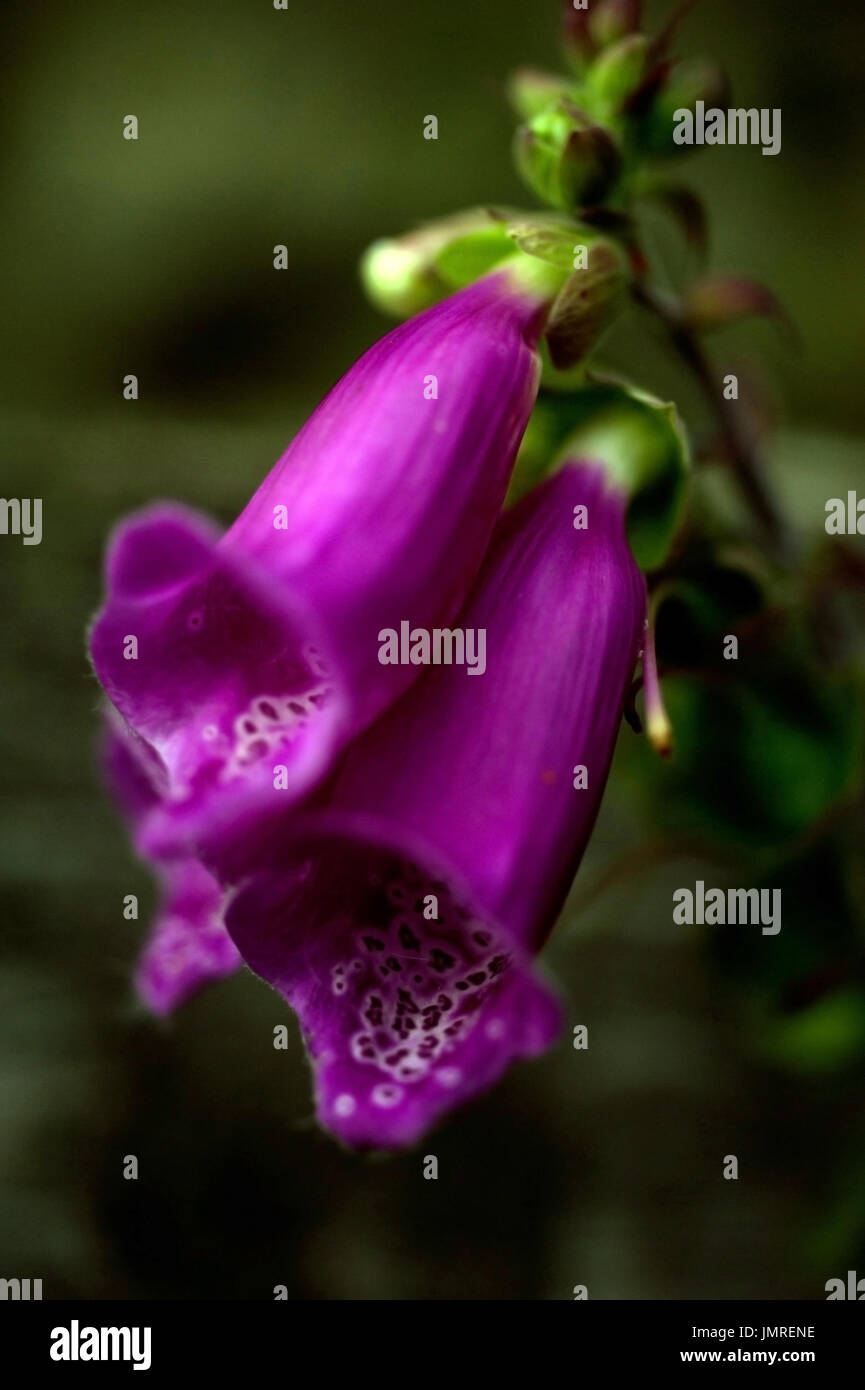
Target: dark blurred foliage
[{"x": 601, "y": 1167}]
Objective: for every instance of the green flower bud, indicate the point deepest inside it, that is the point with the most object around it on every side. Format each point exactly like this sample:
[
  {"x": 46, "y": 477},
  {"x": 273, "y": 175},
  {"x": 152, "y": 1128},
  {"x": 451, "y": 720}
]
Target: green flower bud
[
  {"x": 590, "y": 26},
  {"x": 611, "y": 20},
  {"x": 566, "y": 159},
  {"x": 404, "y": 275},
  {"x": 642, "y": 445},
  {"x": 531, "y": 91},
  {"x": 397, "y": 278},
  {"x": 617, "y": 73}
]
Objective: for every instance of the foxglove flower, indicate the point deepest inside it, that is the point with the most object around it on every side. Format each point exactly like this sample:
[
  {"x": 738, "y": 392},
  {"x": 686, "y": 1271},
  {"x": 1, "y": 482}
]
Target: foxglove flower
[
  {"x": 230, "y": 657},
  {"x": 400, "y": 914},
  {"x": 187, "y": 945}
]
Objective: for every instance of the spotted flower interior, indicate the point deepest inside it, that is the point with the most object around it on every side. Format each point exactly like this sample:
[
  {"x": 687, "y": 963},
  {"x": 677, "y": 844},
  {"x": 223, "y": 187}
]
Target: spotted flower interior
[{"x": 408, "y": 1001}]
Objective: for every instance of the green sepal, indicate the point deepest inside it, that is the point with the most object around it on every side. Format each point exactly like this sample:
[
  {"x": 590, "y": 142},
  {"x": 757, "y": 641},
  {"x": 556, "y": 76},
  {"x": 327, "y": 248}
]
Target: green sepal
[
  {"x": 641, "y": 443},
  {"x": 566, "y": 158},
  {"x": 617, "y": 73}
]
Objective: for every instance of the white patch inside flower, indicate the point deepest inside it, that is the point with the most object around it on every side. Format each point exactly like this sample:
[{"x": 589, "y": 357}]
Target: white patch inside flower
[
  {"x": 316, "y": 662},
  {"x": 268, "y": 723},
  {"x": 386, "y": 1095},
  {"x": 344, "y": 1105},
  {"x": 449, "y": 1077}
]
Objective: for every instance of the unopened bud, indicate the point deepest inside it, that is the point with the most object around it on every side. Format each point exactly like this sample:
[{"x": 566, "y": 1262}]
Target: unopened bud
[
  {"x": 532, "y": 92},
  {"x": 719, "y": 300},
  {"x": 405, "y": 275},
  {"x": 566, "y": 159},
  {"x": 618, "y": 72}
]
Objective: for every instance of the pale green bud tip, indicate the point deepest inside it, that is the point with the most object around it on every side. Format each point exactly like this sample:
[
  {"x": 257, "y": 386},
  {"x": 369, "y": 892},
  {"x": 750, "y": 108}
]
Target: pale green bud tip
[
  {"x": 531, "y": 91},
  {"x": 397, "y": 278}
]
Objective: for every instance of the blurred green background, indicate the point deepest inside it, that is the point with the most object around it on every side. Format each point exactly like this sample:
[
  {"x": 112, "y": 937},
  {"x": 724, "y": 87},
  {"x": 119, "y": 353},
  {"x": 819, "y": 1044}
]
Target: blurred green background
[{"x": 154, "y": 257}]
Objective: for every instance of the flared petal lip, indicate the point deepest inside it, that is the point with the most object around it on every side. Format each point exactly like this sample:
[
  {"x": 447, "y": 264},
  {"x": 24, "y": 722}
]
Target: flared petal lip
[
  {"x": 173, "y": 825},
  {"x": 390, "y": 1134}
]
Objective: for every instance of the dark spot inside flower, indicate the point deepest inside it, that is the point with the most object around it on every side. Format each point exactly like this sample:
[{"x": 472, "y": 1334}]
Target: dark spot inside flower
[
  {"x": 268, "y": 709},
  {"x": 249, "y": 726},
  {"x": 462, "y": 984},
  {"x": 497, "y": 965},
  {"x": 482, "y": 938},
  {"x": 477, "y": 977},
  {"x": 296, "y": 708},
  {"x": 418, "y": 979},
  {"x": 373, "y": 943},
  {"x": 443, "y": 1002},
  {"x": 393, "y": 963},
  {"x": 408, "y": 938},
  {"x": 440, "y": 960}
]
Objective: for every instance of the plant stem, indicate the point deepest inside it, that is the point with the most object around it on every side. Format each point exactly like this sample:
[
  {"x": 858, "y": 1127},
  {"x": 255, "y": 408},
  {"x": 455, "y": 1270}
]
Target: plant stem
[{"x": 739, "y": 438}]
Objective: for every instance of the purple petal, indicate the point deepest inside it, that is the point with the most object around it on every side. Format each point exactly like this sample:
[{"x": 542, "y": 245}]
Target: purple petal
[
  {"x": 403, "y": 1018},
  {"x": 482, "y": 767},
  {"x": 227, "y": 679},
  {"x": 187, "y": 945},
  {"x": 260, "y": 650},
  {"x": 471, "y": 781}
]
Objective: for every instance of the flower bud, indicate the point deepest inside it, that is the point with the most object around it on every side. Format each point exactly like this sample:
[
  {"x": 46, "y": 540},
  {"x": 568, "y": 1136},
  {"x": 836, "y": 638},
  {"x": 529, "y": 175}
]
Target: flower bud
[
  {"x": 618, "y": 72},
  {"x": 590, "y": 25},
  {"x": 716, "y": 301},
  {"x": 611, "y": 20},
  {"x": 404, "y": 275},
  {"x": 565, "y": 158},
  {"x": 531, "y": 91}
]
